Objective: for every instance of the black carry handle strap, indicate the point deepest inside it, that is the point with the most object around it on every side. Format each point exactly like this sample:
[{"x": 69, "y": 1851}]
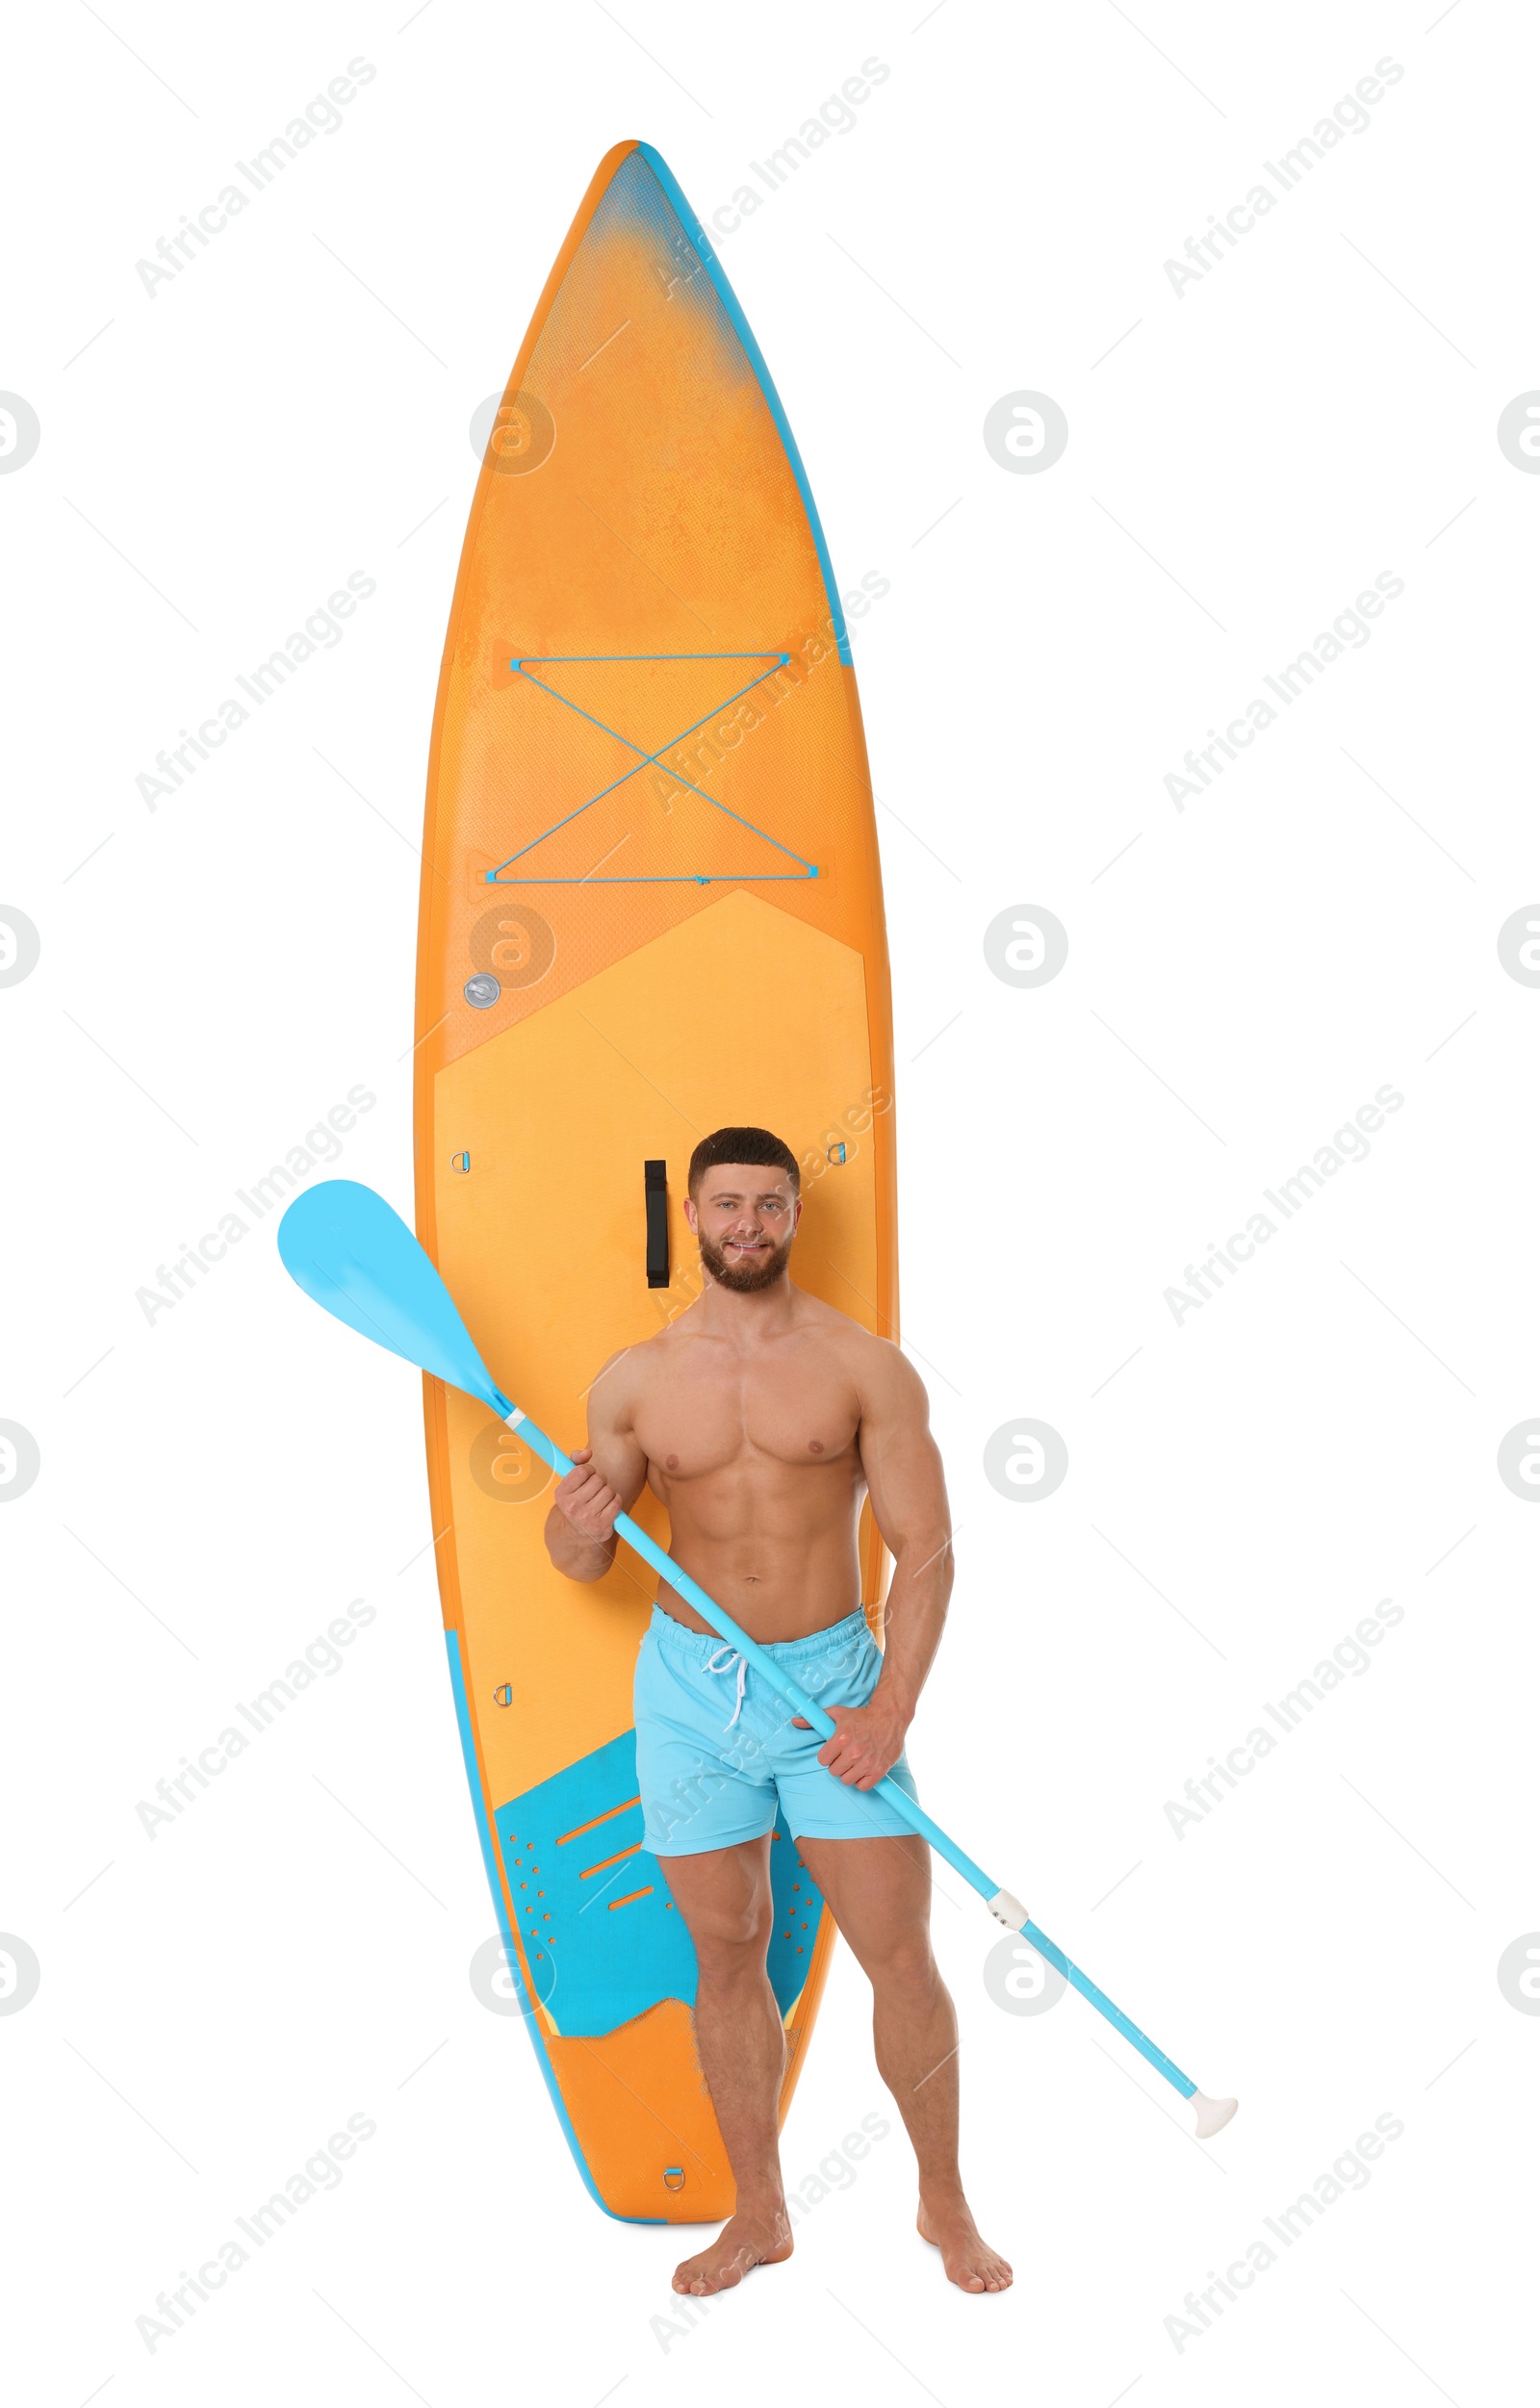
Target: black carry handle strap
[{"x": 656, "y": 1177}]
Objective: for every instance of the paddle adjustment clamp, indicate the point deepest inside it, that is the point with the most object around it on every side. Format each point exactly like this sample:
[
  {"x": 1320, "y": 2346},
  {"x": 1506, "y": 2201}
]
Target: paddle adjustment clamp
[{"x": 1007, "y": 1910}]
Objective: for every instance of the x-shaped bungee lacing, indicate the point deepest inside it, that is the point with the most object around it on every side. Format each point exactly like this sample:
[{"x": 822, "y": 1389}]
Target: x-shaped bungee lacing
[{"x": 646, "y": 760}]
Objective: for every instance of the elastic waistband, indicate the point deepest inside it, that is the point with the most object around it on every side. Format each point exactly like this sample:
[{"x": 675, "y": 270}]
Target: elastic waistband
[{"x": 699, "y": 1645}]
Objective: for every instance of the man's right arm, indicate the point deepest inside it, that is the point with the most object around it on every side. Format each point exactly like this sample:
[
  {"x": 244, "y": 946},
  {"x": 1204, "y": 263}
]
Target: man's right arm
[{"x": 607, "y": 1476}]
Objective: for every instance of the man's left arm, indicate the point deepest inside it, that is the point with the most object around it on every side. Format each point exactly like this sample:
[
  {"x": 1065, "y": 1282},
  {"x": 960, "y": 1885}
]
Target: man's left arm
[{"x": 907, "y": 1485}]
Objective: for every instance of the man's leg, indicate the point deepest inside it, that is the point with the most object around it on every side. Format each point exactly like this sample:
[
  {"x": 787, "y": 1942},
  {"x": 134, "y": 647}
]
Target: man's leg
[
  {"x": 725, "y": 1898},
  {"x": 880, "y": 1894}
]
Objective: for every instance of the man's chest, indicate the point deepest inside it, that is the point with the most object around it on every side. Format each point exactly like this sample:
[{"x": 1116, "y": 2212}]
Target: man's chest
[{"x": 696, "y": 1418}]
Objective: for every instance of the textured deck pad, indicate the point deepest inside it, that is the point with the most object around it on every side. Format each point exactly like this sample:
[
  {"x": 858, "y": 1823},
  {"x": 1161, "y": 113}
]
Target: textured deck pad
[{"x": 602, "y": 1938}]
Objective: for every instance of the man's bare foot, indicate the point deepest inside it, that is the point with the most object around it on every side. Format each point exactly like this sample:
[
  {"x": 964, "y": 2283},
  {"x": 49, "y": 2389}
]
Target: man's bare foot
[
  {"x": 946, "y": 2222},
  {"x": 754, "y": 2237}
]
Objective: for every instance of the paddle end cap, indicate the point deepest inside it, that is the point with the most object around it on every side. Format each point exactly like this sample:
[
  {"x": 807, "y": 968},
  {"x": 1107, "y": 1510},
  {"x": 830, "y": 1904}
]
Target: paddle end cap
[{"x": 1211, "y": 2114}]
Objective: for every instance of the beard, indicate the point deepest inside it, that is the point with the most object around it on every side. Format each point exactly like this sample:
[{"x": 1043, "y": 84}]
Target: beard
[{"x": 746, "y": 1279}]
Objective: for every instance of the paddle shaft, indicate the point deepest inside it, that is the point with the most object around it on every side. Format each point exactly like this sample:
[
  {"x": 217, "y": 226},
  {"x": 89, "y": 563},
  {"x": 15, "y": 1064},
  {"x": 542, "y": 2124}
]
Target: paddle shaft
[{"x": 1000, "y": 1902}]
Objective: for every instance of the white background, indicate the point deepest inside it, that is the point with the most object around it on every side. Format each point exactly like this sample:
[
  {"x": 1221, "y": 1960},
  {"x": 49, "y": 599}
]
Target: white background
[{"x": 1243, "y": 1484}]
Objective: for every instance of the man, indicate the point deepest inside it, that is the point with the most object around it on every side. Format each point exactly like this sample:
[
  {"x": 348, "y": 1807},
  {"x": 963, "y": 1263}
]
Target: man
[{"x": 758, "y": 1418}]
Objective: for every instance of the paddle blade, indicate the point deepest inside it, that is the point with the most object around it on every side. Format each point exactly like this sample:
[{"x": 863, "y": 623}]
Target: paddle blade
[{"x": 345, "y": 1247}]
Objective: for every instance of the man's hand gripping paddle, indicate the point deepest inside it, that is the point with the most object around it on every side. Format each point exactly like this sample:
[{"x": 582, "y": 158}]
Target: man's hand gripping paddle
[{"x": 357, "y": 1258}]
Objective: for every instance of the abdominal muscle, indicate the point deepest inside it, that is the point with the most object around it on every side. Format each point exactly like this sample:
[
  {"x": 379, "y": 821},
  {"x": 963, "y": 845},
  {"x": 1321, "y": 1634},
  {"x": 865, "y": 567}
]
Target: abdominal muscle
[{"x": 774, "y": 1545}]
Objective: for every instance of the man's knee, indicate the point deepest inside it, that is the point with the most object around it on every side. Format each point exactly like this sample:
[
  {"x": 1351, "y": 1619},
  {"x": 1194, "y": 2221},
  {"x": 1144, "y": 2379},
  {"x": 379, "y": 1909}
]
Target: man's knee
[
  {"x": 731, "y": 1938},
  {"x": 903, "y": 1965}
]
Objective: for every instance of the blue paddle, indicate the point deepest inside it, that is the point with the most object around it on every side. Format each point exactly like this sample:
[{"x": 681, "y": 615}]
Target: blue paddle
[{"x": 348, "y": 1248}]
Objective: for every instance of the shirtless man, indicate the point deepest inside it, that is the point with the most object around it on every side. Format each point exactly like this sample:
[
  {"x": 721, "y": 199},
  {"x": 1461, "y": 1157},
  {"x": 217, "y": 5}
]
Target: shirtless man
[{"x": 758, "y": 1418}]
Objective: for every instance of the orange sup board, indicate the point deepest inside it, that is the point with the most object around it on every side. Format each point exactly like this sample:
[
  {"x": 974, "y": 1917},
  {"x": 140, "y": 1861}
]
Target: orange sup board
[{"x": 651, "y": 906}]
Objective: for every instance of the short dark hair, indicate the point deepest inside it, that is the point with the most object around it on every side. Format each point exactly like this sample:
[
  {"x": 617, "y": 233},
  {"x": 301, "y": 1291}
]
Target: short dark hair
[{"x": 743, "y": 1146}]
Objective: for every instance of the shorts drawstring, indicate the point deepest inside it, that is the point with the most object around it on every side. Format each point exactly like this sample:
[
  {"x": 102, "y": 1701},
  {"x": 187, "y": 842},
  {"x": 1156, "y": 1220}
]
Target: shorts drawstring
[{"x": 733, "y": 1658}]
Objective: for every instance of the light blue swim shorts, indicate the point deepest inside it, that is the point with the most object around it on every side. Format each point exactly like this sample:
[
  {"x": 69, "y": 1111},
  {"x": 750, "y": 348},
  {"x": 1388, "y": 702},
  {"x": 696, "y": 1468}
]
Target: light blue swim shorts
[{"x": 715, "y": 1747}]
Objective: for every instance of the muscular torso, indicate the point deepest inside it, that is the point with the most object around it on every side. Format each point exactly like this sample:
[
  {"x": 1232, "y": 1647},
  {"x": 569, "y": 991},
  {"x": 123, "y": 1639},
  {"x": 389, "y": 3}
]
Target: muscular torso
[{"x": 756, "y": 1453}]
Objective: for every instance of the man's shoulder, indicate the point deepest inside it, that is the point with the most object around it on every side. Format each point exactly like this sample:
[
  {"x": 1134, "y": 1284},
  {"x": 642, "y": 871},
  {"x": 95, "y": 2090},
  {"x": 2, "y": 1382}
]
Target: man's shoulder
[
  {"x": 630, "y": 1367},
  {"x": 617, "y": 1385},
  {"x": 866, "y": 1352},
  {"x": 882, "y": 1373}
]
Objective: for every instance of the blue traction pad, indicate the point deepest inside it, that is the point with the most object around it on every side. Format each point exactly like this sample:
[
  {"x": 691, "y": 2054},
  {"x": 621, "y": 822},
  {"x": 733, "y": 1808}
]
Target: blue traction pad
[{"x": 603, "y": 1939}]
